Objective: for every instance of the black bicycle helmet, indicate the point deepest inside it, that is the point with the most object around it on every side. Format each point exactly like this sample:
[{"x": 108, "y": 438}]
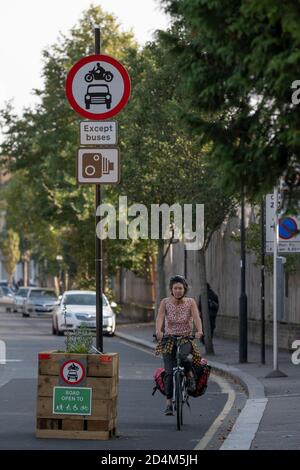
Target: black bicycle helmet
[{"x": 181, "y": 279}]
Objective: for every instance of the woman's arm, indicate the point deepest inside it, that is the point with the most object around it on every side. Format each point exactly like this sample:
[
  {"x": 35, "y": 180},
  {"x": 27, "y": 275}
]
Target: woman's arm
[
  {"x": 197, "y": 320},
  {"x": 160, "y": 319}
]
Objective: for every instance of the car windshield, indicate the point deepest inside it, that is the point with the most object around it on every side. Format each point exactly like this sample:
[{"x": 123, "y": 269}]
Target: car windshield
[
  {"x": 98, "y": 89},
  {"x": 43, "y": 293},
  {"x": 6, "y": 290},
  {"x": 82, "y": 299},
  {"x": 22, "y": 292}
]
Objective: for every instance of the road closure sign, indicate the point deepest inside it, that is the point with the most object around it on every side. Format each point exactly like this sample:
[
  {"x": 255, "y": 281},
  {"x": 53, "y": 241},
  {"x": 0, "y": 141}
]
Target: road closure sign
[{"x": 98, "y": 87}]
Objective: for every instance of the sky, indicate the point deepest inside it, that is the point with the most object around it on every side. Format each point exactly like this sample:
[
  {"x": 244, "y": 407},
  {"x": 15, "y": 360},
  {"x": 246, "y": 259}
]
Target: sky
[{"x": 29, "y": 26}]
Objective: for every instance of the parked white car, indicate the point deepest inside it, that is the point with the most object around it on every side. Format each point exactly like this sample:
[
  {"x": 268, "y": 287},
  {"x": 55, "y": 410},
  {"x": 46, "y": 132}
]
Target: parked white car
[
  {"x": 39, "y": 300},
  {"x": 78, "y": 307}
]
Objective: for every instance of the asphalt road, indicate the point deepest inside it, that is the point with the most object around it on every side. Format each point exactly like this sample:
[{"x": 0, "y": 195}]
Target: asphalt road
[{"x": 141, "y": 422}]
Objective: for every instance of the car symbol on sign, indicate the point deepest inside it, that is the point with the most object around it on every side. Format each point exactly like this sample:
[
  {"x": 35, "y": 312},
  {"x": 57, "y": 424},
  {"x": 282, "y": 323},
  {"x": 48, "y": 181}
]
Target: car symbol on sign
[{"x": 97, "y": 94}]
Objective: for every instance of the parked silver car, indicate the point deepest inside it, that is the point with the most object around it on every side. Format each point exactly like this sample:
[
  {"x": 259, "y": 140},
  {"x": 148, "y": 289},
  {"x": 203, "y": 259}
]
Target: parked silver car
[
  {"x": 20, "y": 297},
  {"x": 7, "y": 300},
  {"x": 39, "y": 300}
]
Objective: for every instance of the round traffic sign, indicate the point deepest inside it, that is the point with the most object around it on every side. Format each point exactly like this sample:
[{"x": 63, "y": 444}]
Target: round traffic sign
[
  {"x": 72, "y": 372},
  {"x": 287, "y": 228},
  {"x": 98, "y": 87}
]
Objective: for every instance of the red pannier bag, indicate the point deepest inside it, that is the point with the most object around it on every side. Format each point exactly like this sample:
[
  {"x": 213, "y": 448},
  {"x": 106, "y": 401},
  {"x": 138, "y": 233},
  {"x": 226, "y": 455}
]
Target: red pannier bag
[
  {"x": 202, "y": 374},
  {"x": 159, "y": 375}
]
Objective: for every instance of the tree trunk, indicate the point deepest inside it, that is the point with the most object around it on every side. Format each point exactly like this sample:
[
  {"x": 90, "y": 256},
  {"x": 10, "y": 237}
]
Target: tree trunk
[
  {"x": 162, "y": 293},
  {"x": 25, "y": 273},
  {"x": 209, "y": 348}
]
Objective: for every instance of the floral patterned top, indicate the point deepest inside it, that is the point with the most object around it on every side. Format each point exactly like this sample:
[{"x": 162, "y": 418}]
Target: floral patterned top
[{"x": 178, "y": 318}]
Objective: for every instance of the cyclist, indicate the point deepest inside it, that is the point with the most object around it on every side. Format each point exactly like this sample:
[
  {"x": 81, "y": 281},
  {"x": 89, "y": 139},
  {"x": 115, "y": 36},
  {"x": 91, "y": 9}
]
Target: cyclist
[{"x": 179, "y": 313}]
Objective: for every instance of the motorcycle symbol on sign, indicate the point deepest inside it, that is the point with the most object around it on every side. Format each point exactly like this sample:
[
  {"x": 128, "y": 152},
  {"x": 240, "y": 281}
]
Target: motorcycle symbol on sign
[{"x": 98, "y": 73}]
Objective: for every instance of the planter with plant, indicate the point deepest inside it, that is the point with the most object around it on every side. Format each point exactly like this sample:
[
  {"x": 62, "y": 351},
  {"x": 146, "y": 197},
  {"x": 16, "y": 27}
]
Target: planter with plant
[{"x": 77, "y": 390}]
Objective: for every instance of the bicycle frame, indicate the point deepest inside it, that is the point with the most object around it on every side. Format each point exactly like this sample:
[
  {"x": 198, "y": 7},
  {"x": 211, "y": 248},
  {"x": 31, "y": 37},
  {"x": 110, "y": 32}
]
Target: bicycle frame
[{"x": 180, "y": 395}]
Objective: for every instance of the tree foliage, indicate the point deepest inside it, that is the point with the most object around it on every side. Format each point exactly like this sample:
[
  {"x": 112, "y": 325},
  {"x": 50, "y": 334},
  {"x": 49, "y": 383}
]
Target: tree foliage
[
  {"x": 9, "y": 245},
  {"x": 240, "y": 59}
]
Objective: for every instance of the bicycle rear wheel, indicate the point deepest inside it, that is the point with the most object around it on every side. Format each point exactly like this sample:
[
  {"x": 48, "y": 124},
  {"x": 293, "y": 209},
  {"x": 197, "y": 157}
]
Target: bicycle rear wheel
[{"x": 178, "y": 400}]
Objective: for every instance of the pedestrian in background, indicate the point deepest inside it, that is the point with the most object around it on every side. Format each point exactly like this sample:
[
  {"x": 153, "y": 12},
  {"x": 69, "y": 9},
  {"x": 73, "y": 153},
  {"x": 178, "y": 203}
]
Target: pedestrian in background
[{"x": 213, "y": 307}]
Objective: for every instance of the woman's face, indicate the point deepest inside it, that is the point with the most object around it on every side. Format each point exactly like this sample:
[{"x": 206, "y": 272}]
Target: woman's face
[{"x": 178, "y": 290}]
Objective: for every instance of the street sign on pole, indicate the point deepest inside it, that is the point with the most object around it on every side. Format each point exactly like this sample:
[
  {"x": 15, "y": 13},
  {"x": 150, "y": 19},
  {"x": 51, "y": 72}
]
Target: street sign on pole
[
  {"x": 288, "y": 226},
  {"x": 98, "y": 165},
  {"x": 98, "y": 87},
  {"x": 98, "y": 133}
]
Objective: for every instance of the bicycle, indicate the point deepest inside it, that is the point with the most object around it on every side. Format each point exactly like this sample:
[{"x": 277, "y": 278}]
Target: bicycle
[{"x": 180, "y": 393}]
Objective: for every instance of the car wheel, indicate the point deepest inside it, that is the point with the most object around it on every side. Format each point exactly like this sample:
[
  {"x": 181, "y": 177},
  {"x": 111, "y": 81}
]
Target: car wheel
[
  {"x": 108, "y": 105},
  {"x": 87, "y": 105},
  {"x": 53, "y": 329},
  {"x": 25, "y": 314}
]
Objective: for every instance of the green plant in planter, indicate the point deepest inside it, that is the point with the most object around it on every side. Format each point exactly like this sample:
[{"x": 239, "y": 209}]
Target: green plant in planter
[{"x": 80, "y": 341}]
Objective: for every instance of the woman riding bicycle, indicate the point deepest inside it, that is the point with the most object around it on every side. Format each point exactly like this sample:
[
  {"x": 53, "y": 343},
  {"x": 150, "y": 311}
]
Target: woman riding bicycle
[{"x": 179, "y": 313}]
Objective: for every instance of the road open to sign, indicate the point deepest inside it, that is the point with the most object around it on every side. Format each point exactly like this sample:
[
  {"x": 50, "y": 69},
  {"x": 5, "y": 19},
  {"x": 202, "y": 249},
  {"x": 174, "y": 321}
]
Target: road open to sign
[{"x": 98, "y": 87}]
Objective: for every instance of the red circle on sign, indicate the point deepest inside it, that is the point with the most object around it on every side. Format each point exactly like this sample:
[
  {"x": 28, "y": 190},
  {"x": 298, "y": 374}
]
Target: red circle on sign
[
  {"x": 99, "y": 58},
  {"x": 72, "y": 382}
]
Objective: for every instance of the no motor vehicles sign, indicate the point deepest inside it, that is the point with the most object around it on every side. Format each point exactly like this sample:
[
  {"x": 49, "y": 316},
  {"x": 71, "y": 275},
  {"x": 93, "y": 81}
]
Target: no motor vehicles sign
[{"x": 98, "y": 87}]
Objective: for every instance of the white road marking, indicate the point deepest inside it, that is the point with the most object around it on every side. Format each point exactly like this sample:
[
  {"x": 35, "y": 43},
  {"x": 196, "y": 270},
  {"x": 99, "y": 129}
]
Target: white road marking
[{"x": 225, "y": 388}]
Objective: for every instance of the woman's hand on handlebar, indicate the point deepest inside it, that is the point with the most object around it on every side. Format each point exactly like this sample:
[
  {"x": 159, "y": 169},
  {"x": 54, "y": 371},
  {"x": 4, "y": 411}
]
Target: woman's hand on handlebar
[
  {"x": 159, "y": 335},
  {"x": 198, "y": 335}
]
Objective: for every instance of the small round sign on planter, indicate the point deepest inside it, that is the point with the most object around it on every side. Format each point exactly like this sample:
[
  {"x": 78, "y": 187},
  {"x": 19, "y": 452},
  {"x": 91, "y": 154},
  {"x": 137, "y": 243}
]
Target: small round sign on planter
[
  {"x": 72, "y": 372},
  {"x": 98, "y": 87}
]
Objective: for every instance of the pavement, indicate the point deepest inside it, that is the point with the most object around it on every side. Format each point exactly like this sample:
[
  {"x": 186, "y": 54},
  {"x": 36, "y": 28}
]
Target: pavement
[{"x": 270, "y": 419}]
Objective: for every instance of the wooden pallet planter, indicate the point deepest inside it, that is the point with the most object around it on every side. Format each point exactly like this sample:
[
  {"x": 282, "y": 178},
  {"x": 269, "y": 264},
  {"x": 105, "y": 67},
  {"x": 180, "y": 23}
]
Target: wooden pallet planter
[{"x": 102, "y": 376}]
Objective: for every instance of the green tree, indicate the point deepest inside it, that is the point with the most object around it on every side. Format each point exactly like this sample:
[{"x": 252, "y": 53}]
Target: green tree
[
  {"x": 240, "y": 59},
  {"x": 162, "y": 161},
  {"x": 56, "y": 215},
  {"x": 9, "y": 245}
]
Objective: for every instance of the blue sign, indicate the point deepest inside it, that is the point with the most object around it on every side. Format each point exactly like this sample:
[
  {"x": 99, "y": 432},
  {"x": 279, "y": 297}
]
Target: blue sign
[{"x": 287, "y": 228}]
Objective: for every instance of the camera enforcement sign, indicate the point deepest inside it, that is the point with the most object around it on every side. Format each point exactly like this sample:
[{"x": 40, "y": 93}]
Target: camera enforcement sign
[
  {"x": 98, "y": 165},
  {"x": 98, "y": 87}
]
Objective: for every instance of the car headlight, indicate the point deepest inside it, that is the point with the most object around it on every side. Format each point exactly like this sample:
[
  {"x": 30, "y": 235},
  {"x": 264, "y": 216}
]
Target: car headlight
[
  {"x": 108, "y": 97},
  {"x": 87, "y": 97}
]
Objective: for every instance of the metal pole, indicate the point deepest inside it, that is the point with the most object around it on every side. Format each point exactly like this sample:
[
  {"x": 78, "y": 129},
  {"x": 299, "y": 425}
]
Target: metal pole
[
  {"x": 262, "y": 282},
  {"x": 275, "y": 372},
  {"x": 243, "y": 331},
  {"x": 98, "y": 246},
  {"x": 185, "y": 261},
  {"x": 275, "y": 345}
]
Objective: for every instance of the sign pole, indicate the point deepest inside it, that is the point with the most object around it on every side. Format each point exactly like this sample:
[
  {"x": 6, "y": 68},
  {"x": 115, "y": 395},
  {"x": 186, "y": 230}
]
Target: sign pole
[
  {"x": 98, "y": 247},
  {"x": 275, "y": 251},
  {"x": 262, "y": 282},
  {"x": 275, "y": 372},
  {"x": 243, "y": 330}
]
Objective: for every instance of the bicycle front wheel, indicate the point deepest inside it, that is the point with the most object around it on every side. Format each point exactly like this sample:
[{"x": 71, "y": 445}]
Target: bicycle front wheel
[{"x": 178, "y": 400}]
